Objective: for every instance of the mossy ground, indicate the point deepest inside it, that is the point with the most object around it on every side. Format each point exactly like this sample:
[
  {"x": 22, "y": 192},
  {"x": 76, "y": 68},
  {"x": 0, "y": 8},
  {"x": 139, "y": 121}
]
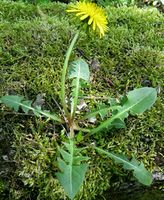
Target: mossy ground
[{"x": 33, "y": 41}]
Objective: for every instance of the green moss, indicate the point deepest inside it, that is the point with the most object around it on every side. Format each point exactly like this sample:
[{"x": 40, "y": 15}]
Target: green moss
[
  {"x": 14, "y": 11},
  {"x": 33, "y": 42}
]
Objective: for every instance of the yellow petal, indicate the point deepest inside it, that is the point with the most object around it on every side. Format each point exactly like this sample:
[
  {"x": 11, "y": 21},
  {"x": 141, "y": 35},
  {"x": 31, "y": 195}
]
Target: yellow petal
[
  {"x": 90, "y": 21},
  {"x": 95, "y": 15},
  {"x": 100, "y": 28},
  {"x": 84, "y": 17},
  {"x": 94, "y": 25},
  {"x": 80, "y": 13},
  {"x": 71, "y": 10}
]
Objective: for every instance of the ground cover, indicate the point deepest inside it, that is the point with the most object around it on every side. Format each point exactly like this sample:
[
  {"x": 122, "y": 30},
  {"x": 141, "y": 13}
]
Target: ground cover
[{"x": 33, "y": 41}]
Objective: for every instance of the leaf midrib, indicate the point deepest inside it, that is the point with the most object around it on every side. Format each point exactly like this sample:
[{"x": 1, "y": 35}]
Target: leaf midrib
[
  {"x": 71, "y": 165},
  {"x": 39, "y": 111},
  {"x": 101, "y": 126},
  {"x": 93, "y": 113},
  {"x": 76, "y": 92},
  {"x": 118, "y": 158}
]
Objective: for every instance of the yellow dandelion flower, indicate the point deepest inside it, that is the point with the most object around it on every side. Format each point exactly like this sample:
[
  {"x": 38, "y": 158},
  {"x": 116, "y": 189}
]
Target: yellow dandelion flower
[{"x": 95, "y": 15}]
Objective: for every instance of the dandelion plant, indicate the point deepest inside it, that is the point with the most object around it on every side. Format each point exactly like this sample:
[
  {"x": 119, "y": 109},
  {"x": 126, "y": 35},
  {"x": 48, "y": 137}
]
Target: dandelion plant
[{"x": 72, "y": 164}]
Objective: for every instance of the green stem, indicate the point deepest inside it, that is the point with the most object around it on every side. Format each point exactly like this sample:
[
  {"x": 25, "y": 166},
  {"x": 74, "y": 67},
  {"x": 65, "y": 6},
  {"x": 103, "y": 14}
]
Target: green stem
[
  {"x": 64, "y": 72},
  {"x": 71, "y": 133}
]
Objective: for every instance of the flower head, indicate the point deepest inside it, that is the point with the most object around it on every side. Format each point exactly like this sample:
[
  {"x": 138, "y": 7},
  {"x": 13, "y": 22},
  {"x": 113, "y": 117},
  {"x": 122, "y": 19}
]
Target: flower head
[{"x": 91, "y": 12}]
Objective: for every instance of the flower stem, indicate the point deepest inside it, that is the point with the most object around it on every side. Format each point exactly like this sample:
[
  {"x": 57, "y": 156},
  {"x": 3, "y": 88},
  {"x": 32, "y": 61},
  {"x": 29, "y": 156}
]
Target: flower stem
[
  {"x": 64, "y": 72},
  {"x": 71, "y": 133}
]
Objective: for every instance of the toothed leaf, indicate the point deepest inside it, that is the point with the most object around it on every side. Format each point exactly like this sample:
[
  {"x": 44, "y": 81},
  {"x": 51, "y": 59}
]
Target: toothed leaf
[
  {"x": 78, "y": 71},
  {"x": 12, "y": 101},
  {"x": 72, "y": 170},
  {"x": 101, "y": 110},
  {"x": 118, "y": 123},
  {"x": 139, "y": 170},
  {"x": 137, "y": 102},
  {"x": 15, "y": 102},
  {"x": 27, "y": 105},
  {"x": 140, "y": 100}
]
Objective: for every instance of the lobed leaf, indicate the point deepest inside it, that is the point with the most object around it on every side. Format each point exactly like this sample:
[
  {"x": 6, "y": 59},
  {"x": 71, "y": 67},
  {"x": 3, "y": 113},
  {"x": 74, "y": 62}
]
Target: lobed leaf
[
  {"x": 140, "y": 100},
  {"x": 137, "y": 102},
  {"x": 12, "y": 102},
  {"x": 118, "y": 123},
  {"x": 15, "y": 102},
  {"x": 72, "y": 170},
  {"x": 139, "y": 170},
  {"x": 102, "y": 110},
  {"x": 78, "y": 70}
]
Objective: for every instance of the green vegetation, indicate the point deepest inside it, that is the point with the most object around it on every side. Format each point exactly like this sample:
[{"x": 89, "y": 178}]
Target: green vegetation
[
  {"x": 71, "y": 164},
  {"x": 33, "y": 43}
]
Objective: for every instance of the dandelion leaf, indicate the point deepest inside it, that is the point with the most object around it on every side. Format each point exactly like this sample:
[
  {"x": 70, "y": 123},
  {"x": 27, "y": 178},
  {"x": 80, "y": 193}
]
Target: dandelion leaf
[
  {"x": 15, "y": 102},
  {"x": 72, "y": 169},
  {"x": 139, "y": 170},
  {"x": 137, "y": 101}
]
